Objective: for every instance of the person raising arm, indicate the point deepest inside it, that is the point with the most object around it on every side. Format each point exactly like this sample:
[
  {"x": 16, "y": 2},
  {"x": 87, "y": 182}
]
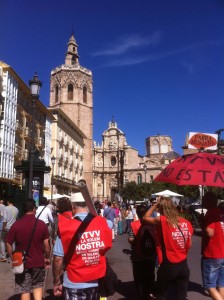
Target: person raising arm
[{"x": 173, "y": 237}]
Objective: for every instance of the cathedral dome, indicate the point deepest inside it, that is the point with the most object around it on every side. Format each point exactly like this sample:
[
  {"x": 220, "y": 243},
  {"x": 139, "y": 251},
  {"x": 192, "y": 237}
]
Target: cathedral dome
[{"x": 171, "y": 155}]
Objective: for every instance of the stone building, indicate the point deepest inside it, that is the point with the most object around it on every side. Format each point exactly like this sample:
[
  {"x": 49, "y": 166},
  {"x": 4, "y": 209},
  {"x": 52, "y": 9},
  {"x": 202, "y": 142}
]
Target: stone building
[
  {"x": 15, "y": 133},
  {"x": 67, "y": 148},
  {"x": 71, "y": 90},
  {"x": 115, "y": 162}
]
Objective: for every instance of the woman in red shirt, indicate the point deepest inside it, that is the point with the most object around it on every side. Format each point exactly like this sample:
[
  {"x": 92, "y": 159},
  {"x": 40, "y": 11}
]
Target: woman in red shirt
[{"x": 173, "y": 237}]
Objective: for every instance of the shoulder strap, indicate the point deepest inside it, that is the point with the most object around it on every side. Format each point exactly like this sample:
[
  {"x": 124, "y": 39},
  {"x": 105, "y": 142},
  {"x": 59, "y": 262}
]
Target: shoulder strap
[
  {"x": 108, "y": 212},
  {"x": 32, "y": 233},
  {"x": 41, "y": 211},
  {"x": 182, "y": 234},
  {"x": 82, "y": 227}
]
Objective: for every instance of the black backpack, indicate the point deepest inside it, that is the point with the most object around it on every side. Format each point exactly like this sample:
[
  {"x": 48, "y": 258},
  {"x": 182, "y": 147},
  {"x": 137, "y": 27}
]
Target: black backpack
[{"x": 144, "y": 246}]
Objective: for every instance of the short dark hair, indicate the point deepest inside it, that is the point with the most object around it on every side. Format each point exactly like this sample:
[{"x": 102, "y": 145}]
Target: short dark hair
[
  {"x": 141, "y": 210},
  {"x": 10, "y": 200},
  {"x": 43, "y": 201},
  {"x": 64, "y": 204},
  {"x": 29, "y": 205}
]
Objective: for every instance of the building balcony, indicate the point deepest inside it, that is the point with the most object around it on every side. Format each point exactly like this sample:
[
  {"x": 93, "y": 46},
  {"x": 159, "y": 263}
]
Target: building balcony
[
  {"x": 40, "y": 142},
  {"x": 26, "y": 154},
  {"x": 19, "y": 127},
  {"x": 27, "y": 133},
  {"x": 18, "y": 150},
  {"x": 17, "y": 177}
]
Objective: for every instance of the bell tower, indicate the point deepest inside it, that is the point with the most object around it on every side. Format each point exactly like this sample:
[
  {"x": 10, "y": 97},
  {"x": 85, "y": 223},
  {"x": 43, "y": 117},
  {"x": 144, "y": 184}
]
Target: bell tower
[
  {"x": 72, "y": 57},
  {"x": 71, "y": 89}
]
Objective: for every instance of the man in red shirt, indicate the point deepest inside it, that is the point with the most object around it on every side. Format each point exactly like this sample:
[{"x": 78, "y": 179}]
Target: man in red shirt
[
  {"x": 20, "y": 232},
  {"x": 212, "y": 262},
  {"x": 81, "y": 244}
]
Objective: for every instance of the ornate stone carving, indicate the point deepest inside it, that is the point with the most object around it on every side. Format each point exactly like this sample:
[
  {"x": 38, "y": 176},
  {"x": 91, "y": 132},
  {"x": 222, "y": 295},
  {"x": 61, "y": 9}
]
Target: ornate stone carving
[{"x": 112, "y": 145}]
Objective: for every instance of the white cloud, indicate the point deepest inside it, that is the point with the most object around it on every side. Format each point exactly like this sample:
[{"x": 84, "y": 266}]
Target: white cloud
[
  {"x": 129, "y": 42},
  {"x": 127, "y": 61}
]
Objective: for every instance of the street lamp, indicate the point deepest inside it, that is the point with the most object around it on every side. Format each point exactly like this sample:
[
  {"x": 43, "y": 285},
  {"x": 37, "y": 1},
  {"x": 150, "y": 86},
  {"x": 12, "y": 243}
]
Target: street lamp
[
  {"x": 219, "y": 132},
  {"x": 53, "y": 160},
  {"x": 35, "y": 85},
  {"x": 145, "y": 170}
]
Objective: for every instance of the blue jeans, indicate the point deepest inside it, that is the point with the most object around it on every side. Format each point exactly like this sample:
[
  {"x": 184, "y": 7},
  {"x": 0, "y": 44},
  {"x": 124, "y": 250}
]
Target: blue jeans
[
  {"x": 212, "y": 270},
  {"x": 119, "y": 229},
  {"x": 128, "y": 225}
]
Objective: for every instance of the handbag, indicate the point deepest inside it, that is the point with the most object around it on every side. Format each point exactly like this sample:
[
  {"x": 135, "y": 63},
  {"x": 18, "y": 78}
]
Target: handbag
[
  {"x": 19, "y": 257},
  {"x": 108, "y": 284}
]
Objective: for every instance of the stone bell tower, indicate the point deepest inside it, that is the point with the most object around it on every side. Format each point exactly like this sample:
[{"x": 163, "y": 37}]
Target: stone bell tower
[{"x": 71, "y": 89}]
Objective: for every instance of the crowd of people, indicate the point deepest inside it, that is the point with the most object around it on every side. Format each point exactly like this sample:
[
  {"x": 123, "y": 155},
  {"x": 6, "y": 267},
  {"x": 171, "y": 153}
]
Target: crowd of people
[{"x": 159, "y": 237}]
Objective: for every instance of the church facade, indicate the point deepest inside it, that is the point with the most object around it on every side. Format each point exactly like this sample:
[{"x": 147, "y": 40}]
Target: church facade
[{"x": 115, "y": 162}]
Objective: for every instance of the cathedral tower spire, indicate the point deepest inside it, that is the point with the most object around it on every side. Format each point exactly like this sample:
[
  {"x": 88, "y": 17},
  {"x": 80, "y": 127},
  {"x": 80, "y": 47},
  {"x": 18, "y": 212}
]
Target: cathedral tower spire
[{"x": 71, "y": 56}]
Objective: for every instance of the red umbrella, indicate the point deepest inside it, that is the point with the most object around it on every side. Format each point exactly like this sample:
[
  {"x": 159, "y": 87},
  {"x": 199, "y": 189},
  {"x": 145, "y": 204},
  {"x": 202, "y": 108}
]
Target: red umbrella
[{"x": 201, "y": 168}]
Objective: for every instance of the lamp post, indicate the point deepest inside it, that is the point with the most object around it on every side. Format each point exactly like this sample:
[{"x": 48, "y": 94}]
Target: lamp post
[
  {"x": 35, "y": 85},
  {"x": 145, "y": 170},
  {"x": 53, "y": 160},
  {"x": 219, "y": 132}
]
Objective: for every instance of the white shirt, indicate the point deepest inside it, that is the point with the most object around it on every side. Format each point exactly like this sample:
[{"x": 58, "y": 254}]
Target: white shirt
[
  {"x": 46, "y": 214},
  {"x": 9, "y": 215},
  {"x": 2, "y": 208}
]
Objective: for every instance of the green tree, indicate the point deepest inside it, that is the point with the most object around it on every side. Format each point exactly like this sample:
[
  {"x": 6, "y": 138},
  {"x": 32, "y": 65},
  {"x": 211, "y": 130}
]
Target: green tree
[
  {"x": 132, "y": 191},
  {"x": 129, "y": 190}
]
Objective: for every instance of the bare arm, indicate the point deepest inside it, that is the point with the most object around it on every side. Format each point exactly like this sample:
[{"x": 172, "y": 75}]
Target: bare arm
[
  {"x": 47, "y": 250},
  {"x": 210, "y": 232},
  {"x": 9, "y": 249},
  {"x": 4, "y": 226},
  {"x": 57, "y": 268}
]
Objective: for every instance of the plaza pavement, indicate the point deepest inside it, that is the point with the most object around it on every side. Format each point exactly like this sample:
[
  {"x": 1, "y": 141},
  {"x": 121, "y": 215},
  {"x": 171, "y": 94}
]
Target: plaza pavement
[{"x": 120, "y": 260}]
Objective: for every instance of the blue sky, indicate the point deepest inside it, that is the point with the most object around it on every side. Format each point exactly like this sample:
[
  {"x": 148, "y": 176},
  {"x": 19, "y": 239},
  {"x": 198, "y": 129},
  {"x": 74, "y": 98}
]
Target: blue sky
[{"x": 158, "y": 65}]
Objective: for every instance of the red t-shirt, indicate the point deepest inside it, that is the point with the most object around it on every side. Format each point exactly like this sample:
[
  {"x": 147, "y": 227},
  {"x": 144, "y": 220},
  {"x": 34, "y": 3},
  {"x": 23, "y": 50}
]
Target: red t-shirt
[
  {"x": 88, "y": 257},
  {"x": 214, "y": 247},
  {"x": 176, "y": 246},
  {"x": 20, "y": 233}
]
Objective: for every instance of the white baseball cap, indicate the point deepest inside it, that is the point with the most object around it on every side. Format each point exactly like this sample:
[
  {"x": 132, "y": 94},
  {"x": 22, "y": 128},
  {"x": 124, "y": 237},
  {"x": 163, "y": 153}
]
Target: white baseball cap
[{"x": 77, "y": 197}]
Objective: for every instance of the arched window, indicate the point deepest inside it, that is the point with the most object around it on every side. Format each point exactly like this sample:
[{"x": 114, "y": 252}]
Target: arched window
[
  {"x": 84, "y": 94},
  {"x": 56, "y": 93},
  {"x": 70, "y": 92},
  {"x": 164, "y": 147},
  {"x": 74, "y": 59},
  {"x": 155, "y": 147},
  {"x": 113, "y": 161}
]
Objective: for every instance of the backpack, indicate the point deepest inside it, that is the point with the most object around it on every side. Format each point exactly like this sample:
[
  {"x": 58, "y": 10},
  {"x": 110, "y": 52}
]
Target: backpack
[{"x": 144, "y": 245}]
